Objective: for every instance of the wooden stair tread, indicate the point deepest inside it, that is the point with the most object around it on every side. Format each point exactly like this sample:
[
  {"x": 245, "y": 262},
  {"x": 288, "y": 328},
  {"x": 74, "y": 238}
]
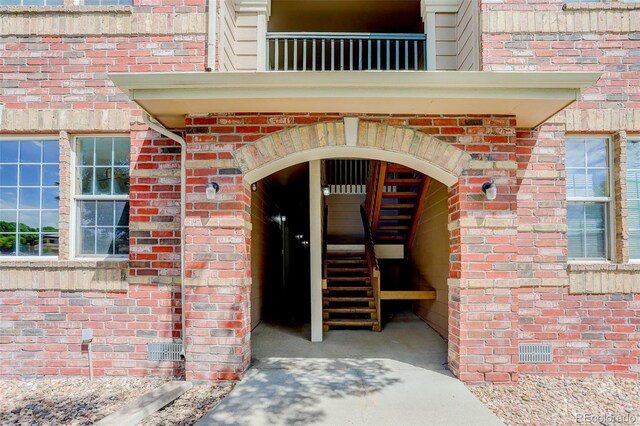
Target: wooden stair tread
[
  {"x": 348, "y": 279},
  {"x": 330, "y": 269},
  {"x": 349, "y": 299},
  {"x": 349, "y": 310},
  {"x": 351, "y": 322},
  {"x": 398, "y": 168},
  {"x": 400, "y": 194},
  {"x": 396, "y": 206},
  {"x": 402, "y": 181},
  {"x": 391, "y": 237},
  {"x": 349, "y": 288},
  {"x": 392, "y": 227},
  {"x": 347, "y": 261},
  {"x": 346, "y": 253},
  {"x": 396, "y": 217}
]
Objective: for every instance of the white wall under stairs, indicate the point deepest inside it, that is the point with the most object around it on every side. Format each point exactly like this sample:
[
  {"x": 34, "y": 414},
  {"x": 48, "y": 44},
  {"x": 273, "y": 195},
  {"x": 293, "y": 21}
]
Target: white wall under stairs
[{"x": 344, "y": 221}]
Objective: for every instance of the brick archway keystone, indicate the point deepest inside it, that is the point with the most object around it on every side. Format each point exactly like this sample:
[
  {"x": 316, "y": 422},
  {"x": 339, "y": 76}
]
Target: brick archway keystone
[{"x": 352, "y": 138}]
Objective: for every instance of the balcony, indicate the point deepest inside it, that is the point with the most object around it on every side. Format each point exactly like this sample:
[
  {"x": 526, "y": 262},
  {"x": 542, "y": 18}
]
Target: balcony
[{"x": 306, "y": 51}]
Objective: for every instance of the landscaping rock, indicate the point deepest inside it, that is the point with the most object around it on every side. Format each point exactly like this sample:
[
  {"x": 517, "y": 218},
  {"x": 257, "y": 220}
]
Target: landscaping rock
[{"x": 543, "y": 400}]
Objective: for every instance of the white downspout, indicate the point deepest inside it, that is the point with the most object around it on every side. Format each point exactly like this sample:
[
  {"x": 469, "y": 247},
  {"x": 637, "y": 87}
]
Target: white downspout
[{"x": 149, "y": 121}]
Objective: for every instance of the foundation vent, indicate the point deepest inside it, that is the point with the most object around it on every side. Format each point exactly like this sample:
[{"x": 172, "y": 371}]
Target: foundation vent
[
  {"x": 534, "y": 353},
  {"x": 164, "y": 351}
]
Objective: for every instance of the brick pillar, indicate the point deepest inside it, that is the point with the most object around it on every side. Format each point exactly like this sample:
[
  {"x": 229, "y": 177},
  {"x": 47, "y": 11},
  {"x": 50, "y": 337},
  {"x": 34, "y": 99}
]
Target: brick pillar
[
  {"x": 483, "y": 318},
  {"x": 218, "y": 281}
]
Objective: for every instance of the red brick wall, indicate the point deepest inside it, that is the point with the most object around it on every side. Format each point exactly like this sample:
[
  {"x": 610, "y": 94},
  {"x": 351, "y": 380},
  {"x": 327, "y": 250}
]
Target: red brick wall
[
  {"x": 590, "y": 334},
  {"x": 71, "y": 72},
  {"x": 218, "y": 325},
  {"x": 154, "y": 208},
  {"x": 40, "y": 331}
]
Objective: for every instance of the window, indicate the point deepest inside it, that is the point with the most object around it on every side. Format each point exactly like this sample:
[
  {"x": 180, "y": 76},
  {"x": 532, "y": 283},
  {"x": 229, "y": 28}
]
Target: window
[
  {"x": 31, "y": 2},
  {"x": 102, "y": 196},
  {"x": 29, "y": 181},
  {"x": 62, "y": 2},
  {"x": 588, "y": 198},
  {"x": 633, "y": 197},
  {"x": 107, "y": 2}
]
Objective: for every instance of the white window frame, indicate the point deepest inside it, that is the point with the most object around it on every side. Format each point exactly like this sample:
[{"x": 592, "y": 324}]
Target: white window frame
[
  {"x": 32, "y": 5},
  {"x": 610, "y": 223},
  {"x": 585, "y": 1},
  {"x": 33, "y": 137},
  {"x": 74, "y": 231},
  {"x": 630, "y": 138},
  {"x": 83, "y": 3}
]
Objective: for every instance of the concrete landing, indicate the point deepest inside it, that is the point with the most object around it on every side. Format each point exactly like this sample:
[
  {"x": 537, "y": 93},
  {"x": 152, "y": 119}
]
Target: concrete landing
[
  {"x": 405, "y": 338},
  {"x": 348, "y": 392},
  {"x": 354, "y": 377}
]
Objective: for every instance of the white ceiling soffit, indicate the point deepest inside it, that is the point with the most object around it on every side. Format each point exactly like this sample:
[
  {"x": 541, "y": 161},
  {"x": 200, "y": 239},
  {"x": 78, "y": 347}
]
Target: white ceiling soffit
[{"x": 531, "y": 97}]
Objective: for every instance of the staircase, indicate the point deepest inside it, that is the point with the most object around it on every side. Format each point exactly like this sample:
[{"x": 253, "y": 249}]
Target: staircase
[
  {"x": 348, "y": 299},
  {"x": 352, "y": 291},
  {"x": 395, "y": 198}
]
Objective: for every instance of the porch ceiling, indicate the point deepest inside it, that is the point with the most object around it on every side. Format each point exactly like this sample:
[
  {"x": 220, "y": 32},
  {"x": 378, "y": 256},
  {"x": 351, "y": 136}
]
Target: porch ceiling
[{"x": 531, "y": 97}]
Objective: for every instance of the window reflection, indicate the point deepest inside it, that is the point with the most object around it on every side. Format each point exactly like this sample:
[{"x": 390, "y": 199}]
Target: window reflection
[
  {"x": 102, "y": 179},
  {"x": 29, "y": 181}
]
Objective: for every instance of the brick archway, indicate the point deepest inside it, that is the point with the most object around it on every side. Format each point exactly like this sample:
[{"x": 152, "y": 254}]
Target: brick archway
[
  {"x": 352, "y": 138},
  {"x": 356, "y": 138}
]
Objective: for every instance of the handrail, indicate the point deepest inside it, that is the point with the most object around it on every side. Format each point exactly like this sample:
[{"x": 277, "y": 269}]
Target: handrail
[
  {"x": 324, "y": 241},
  {"x": 348, "y": 36},
  {"x": 312, "y": 51},
  {"x": 374, "y": 268}
]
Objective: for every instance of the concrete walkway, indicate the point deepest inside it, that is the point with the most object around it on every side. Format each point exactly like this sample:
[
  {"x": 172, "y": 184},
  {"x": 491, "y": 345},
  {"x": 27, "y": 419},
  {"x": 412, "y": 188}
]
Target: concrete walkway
[{"x": 401, "y": 381}]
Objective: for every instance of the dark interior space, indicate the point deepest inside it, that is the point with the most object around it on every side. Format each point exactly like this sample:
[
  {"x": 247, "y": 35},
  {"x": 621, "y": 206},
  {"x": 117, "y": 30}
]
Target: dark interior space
[
  {"x": 391, "y": 16},
  {"x": 280, "y": 247}
]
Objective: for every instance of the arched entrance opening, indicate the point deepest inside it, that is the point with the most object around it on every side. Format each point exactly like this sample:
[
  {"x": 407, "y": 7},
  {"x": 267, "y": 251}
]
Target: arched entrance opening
[{"x": 381, "y": 221}]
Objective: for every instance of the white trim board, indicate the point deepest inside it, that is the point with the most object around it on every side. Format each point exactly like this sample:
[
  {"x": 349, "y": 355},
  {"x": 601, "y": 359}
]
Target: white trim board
[{"x": 531, "y": 97}]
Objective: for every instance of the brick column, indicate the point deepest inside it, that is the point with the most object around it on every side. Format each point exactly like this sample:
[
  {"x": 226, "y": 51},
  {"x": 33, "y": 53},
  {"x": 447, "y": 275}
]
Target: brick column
[
  {"x": 218, "y": 277},
  {"x": 483, "y": 321}
]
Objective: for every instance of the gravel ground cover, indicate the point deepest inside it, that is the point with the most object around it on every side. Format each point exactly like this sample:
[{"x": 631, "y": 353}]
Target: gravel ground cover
[
  {"x": 83, "y": 401},
  {"x": 540, "y": 400},
  {"x": 190, "y": 407}
]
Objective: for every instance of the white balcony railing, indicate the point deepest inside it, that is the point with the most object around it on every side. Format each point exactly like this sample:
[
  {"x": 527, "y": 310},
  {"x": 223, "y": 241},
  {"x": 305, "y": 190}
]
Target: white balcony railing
[{"x": 346, "y": 52}]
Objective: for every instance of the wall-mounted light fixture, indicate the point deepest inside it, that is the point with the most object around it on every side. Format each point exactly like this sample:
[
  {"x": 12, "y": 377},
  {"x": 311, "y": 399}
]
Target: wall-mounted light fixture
[
  {"x": 254, "y": 187},
  {"x": 326, "y": 190},
  {"x": 490, "y": 190},
  {"x": 212, "y": 190}
]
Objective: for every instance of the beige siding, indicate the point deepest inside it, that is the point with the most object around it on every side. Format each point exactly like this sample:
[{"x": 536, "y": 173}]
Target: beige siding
[
  {"x": 344, "y": 221},
  {"x": 445, "y": 41},
  {"x": 238, "y": 38},
  {"x": 227, "y": 36},
  {"x": 429, "y": 258},
  {"x": 246, "y": 43},
  {"x": 467, "y": 39}
]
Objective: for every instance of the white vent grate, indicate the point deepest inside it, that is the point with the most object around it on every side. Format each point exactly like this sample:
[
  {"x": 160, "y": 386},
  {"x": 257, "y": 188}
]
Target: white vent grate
[
  {"x": 534, "y": 353},
  {"x": 164, "y": 351}
]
